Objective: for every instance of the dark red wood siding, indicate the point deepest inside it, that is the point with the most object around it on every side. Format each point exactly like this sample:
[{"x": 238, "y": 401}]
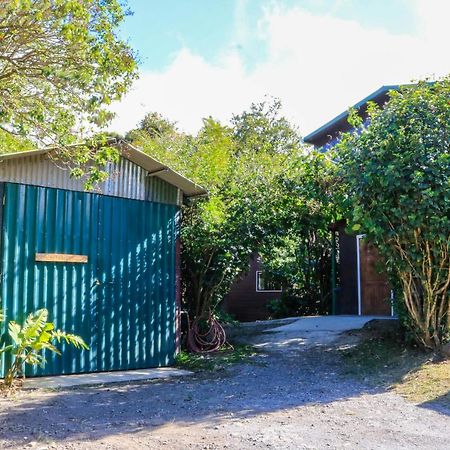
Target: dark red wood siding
[
  {"x": 243, "y": 302},
  {"x": 375, "y": 290}
]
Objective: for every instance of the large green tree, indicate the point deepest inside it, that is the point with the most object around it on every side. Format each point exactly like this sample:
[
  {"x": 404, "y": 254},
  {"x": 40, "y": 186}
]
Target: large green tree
[
  {"x": 397, "y": 173},
  {"x": 61, "y": 66},
  {"x": 261, "y": 182},
  {"x": 300, "y": 254},
  {"x": 218, "y": 232}
]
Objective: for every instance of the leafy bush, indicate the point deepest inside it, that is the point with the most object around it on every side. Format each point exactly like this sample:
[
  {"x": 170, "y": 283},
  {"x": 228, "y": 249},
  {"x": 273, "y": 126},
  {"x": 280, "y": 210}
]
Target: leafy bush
[
  {"x": 300, "y": 253},
  {"x": 30, "y": 340},
  {"x": 397, "y": 173}
]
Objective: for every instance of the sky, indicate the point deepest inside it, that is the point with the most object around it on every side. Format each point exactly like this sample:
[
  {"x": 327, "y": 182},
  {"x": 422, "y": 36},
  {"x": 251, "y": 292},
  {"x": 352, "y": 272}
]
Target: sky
[{"x": 202, "y": 58}]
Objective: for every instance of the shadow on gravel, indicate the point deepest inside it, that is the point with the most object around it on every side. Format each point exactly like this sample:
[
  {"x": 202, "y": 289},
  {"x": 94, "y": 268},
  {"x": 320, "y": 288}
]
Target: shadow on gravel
[
  {"x": 274, "y": 381},
  {"x": 382, "y": 359},
  {"x": 440, "y": 404},
  {"x": 281, "y": 378}
]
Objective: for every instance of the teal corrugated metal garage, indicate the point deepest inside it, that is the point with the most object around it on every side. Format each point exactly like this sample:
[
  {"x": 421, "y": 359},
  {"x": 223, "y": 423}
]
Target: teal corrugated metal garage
[{"x": 122, "y": 297}]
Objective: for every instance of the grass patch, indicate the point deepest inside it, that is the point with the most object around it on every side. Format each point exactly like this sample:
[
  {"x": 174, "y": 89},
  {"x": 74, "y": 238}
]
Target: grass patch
[
  {"x": 382, "y": 359},
  {"x": 429, "y": 383},
  {"x": 217, "y": 360}
]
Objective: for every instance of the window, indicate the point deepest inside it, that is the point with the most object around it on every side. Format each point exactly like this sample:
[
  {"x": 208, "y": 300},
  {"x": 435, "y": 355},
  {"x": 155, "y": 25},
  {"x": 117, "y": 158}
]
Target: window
[{"x": 266, "y": 284}]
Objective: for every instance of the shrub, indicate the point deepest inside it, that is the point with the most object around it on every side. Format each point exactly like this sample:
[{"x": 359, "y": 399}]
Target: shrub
[{"x": 397, "y": 172}]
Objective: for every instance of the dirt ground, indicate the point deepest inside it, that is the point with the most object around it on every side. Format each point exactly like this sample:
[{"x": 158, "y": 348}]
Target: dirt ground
[{"x": 293, "y": 395}]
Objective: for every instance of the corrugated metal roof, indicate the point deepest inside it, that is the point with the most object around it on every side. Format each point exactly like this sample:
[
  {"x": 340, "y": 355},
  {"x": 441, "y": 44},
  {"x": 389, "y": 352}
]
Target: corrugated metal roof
[
  {"x": 149, "y": 165},
  {"x": 125, "y": 178},
  {"x": 164, "y": 172}
]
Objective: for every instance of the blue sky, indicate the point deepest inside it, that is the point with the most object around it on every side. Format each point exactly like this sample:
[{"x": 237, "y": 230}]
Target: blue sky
[
  {"x": 215, "y": 57},
  {"x": 158, "y": 29}
]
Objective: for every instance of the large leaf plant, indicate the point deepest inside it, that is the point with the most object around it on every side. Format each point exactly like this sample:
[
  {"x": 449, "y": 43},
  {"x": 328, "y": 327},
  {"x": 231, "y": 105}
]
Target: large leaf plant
[{"x": 28, "y": 342}]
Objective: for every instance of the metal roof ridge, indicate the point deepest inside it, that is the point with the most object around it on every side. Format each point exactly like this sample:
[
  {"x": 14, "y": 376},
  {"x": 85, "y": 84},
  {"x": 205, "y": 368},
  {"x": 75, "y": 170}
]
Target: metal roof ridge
[{"x": 380, "y": 90}]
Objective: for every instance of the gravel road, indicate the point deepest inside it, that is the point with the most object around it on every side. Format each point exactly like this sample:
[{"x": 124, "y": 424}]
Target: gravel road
[{"x": 292, "y": 395}]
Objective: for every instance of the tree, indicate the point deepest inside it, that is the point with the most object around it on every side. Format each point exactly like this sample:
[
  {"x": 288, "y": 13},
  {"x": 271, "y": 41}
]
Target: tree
[
  {"x": 61, "y": 66},
  {"x": 263, "y": 129},
  {"x": 266, "y": 193},
  {"x": 397, "y": 173},
  {"x": 220, "y": 232},
  {"x": 300, "y": 254}
]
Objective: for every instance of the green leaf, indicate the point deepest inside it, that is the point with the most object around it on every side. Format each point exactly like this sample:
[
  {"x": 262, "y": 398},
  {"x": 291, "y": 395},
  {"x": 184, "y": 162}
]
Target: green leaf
[
  {"x": 70, "y": 339},
  {"x": 14, "y": 330},
  {"x": 35, "y": 324},
  {"x": 5, "y": 349}
]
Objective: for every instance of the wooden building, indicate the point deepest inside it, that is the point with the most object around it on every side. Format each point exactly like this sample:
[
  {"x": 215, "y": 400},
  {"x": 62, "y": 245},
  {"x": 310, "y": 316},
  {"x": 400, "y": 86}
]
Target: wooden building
[
  {"x": 363, "y": 286},
  {"x": 250, "y": 295}
]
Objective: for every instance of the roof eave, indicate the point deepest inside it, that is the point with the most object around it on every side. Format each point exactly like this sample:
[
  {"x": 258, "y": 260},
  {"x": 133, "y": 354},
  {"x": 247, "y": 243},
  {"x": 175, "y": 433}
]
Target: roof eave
[
  {"x": 328, "y": 125},
  {"x": 189, "y": 188}
]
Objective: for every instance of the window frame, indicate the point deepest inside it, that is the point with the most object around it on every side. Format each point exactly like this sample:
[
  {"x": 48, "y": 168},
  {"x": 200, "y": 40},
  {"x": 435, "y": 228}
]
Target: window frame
[{"x": 258, "y": 275}]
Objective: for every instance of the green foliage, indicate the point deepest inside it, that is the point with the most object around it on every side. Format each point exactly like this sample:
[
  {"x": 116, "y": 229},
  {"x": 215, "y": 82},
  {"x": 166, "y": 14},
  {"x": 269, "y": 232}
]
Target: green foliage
[
  {"x": 294, "y": 302},
  {"x": 61, "y": 66},
  {"x": 281, "y": 307},
  {"x": 10, "y": 143},
  {"x": 216, "y": 232},
  {"x": 397, "y": 173},
  {"x": 225, "y": 318},
  {"x": 300, "y": 256},
  {"x": 262, "y": 185},
  {"x": 263, "y": 130},
  {"x": 88, "y": 160},
  {"x": 30, "y": 340},
  {"x": 161, "y": 139},
  {"x": 153, "y": 126}
]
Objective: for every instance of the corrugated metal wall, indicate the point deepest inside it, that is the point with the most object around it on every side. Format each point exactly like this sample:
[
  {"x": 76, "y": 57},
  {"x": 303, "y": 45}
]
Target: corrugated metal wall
[
  {"x": 122, "y": 301},
  {"x": 125, "y": 179}
]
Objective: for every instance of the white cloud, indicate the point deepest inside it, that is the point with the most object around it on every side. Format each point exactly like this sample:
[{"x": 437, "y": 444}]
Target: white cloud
[{"x": 317, "y": 65}]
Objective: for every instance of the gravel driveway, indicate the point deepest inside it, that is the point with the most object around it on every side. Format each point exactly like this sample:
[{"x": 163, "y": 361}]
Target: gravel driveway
[{"x": 292, "y": 395}]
